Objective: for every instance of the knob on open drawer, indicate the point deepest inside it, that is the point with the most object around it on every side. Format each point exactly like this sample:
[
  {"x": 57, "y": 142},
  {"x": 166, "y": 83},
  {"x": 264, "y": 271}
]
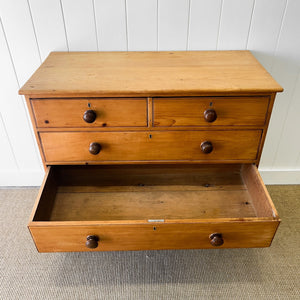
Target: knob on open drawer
[
  {"x": 216, "y": 239},
  {"x": 92, "y": 241}
]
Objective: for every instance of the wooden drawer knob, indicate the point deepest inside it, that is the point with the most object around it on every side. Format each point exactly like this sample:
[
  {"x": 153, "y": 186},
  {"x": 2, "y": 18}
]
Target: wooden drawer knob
[
  {"x": 210, "y": 115},
  {"x": 92, "y": 241},
  {"x": 216, "y": 239},
  {"x": 89, "y": 116},
  {"x": 206, "y": 147},
  {"x": 95, "y": 148}
]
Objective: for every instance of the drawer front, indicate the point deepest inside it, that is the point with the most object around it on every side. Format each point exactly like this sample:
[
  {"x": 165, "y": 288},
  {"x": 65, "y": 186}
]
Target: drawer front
[
  {"x": 154, "y": 237},
  {"x": 150, "y": 146},
  {"x": 210, "y": 111},
  {"x": 90, "y": 112}
]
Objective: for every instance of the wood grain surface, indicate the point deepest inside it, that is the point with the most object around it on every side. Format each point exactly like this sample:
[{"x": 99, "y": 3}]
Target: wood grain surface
[
  {"x": 258, "y": 191},
  {"x": 145, "y": 237},
  {"x": 154, "y": 204},
  {"x": 150, "y": 146},
  {"x": 179, "y": 215},
  {"x": 238, "y": 111},
  {"x": 69, "y": 113},
  {"x": 149, "y": 74},
  {"x": 198, "y": 111}
]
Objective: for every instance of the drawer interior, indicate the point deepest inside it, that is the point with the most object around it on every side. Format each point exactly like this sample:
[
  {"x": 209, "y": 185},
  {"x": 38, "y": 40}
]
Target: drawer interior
[{"x": 153, "y": 193}]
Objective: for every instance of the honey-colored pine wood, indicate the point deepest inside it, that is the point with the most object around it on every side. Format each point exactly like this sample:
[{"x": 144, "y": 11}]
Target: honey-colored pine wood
[
  {"x": 205, "y": 177},
  {"x": 150, "y": 128},
  {"x": 47, "y": 195},
  {"x": 150, "y": 192},
  {"x": 190, "y": 111},
  {"x": 150, "y": 112},
  {"x": 65, "y": 238},
  {"x": 31, "y": 114},
  {"x": 180, "y": 207},
  {"x": 150, "y": 146},
  {"x": 67, "y": 113},
  {"x": 169, "y": 192},
  {"x": 171, "y": 204},
  {"x": 151, "y": 150},
  {"x": 270, "y": 107},
  {"x": 48, "y": 189},
  {"x": 258, "y": 191},
  {"x": 117, "y": 74}
]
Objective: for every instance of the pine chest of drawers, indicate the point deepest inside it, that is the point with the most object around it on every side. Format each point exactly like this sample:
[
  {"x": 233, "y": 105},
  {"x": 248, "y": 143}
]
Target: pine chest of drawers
[{"x": 151, "y": 150}]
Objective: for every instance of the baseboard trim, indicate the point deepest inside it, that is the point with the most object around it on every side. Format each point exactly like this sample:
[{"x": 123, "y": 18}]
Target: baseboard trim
[
  {"x": 280, "y": 176},
  {"x": 21, "y": 178}
]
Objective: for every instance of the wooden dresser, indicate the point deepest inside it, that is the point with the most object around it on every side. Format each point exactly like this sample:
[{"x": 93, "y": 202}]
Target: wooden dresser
[{"x": 151, "y": 150}]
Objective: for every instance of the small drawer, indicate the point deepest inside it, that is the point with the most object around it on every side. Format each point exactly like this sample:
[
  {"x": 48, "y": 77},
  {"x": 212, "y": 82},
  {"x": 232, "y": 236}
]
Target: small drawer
[
  {"x": 105, "y": 147},
  {"x": 210, "y": 111},
  {"x": 90, "y": 112},
  {"x": 102, "y": 208}
]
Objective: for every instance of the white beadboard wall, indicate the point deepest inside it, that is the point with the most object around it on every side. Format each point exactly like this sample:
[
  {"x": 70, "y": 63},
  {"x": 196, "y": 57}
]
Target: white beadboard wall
[{"x": 30, "y": 29}]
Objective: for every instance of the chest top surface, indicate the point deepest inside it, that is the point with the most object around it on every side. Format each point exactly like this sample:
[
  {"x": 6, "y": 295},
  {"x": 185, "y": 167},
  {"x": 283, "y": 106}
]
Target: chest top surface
[{"x": 115, "y": 74}]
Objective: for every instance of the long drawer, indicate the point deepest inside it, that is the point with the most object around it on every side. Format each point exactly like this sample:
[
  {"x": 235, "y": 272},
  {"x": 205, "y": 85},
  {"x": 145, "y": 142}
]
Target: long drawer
[
  {"x": 101, "y": 208},
  {"x": 210, "y": 111},
  {"x": 150, "y": 146},
  {"x": 90, "y": 112}
]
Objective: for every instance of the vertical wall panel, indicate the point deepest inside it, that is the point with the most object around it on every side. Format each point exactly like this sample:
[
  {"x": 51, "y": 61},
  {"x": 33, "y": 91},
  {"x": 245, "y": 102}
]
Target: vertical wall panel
[
  {"x": 289, "y": 146},
  {"x": 80, "y": 25},
  {"x": 49, "y": 26},
  {"x": 281, "y": 146},
  {"x": 7, "y": 160},
  {"x": 297, "y": 164},
  {"x": 142, "y": 25},
  {"x": 111, "y": 25},
  {"x": 265, "y": 29},
  {"x": 263, "y": 37},
  {"x": 289, "y": 48},
  {"x": 173, "y": 22},
  {"x": 30, "y": 29},
  {"x": 235, "y": 24},
  {"x": 204, "y": 24},
  {"x": 17, "y": 23},
  {"x": 14, "y": 114}
]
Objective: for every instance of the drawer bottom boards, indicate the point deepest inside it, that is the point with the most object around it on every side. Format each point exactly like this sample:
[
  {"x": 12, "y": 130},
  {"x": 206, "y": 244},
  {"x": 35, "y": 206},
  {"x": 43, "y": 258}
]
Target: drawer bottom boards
[{"x": 144, "y": 207}]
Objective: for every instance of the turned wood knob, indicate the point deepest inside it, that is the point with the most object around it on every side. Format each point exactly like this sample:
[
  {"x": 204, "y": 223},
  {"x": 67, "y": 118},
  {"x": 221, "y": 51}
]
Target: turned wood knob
[
  {"x": 216, "y": 239},
  {"x": 206, "y": 147},
  {"x": 210, "y": 115},
  {"x": 89, "y": 116},
  {"x": 95, "y": 148},
  {"x": 92, "y": 241}
]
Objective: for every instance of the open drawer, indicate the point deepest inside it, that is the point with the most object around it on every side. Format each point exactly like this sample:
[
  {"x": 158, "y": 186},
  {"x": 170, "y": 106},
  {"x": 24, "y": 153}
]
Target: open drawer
[{"x": 139, "y": 207}]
